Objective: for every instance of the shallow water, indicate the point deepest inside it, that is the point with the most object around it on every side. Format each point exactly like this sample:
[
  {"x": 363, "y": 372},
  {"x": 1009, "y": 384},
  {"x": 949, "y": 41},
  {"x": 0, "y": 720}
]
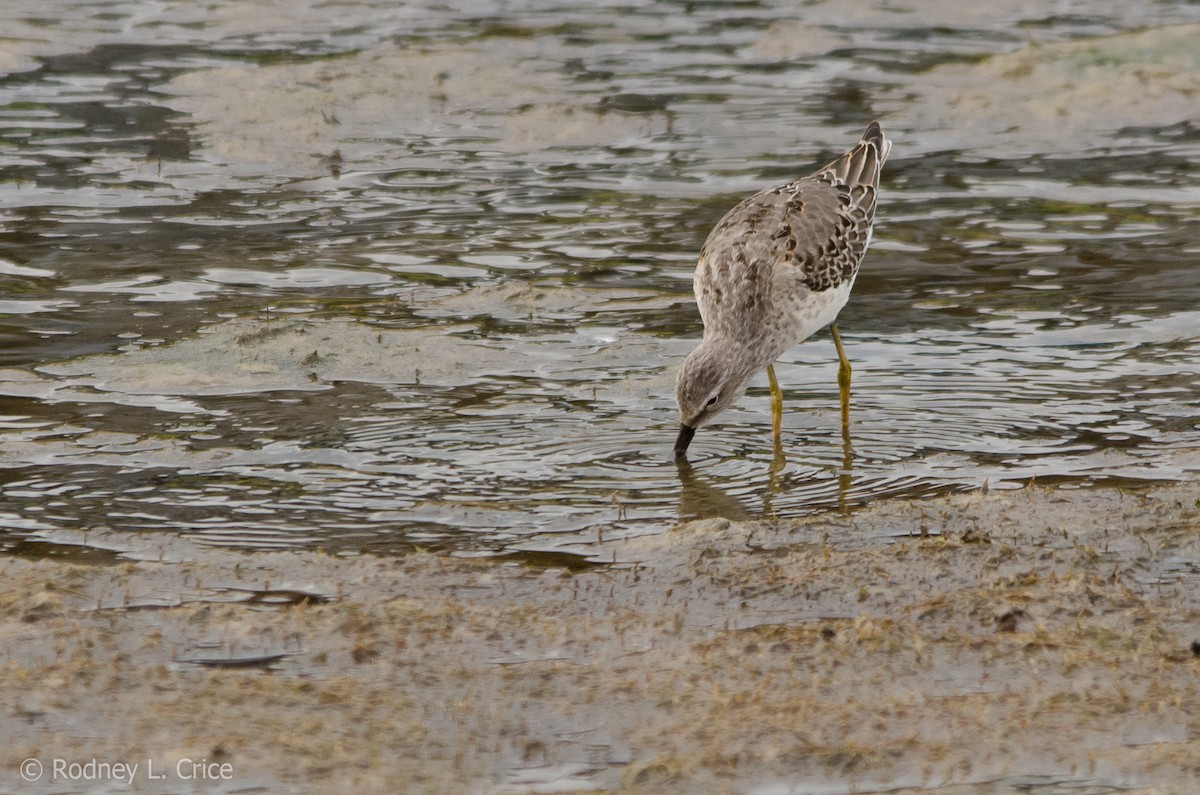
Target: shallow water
[{"x": 367, "y": 278}]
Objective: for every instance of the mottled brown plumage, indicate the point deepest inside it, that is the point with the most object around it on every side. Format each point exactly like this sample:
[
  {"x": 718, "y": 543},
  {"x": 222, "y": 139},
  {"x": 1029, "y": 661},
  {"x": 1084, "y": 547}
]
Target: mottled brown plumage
[{"x": 778, "y": 267}]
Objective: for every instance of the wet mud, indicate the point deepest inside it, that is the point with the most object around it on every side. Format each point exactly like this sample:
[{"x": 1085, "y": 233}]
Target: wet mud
[{"x": 1042, "y": 639}]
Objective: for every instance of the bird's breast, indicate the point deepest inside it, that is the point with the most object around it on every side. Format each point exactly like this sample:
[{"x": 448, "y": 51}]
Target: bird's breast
[{"x": 797, "y": 315}]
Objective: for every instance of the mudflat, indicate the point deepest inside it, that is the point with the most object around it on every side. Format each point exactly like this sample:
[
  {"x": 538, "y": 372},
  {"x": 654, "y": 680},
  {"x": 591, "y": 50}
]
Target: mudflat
[{"x": 977, "y": 643}]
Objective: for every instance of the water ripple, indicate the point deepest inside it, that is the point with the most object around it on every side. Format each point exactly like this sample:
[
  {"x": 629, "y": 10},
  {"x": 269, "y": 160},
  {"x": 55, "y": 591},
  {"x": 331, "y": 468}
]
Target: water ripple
[{"x": 447, "y": 311}]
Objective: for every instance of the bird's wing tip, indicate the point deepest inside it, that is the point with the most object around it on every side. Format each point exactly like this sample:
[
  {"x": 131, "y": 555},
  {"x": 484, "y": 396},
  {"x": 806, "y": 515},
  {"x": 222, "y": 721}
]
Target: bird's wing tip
[{"x": 874, "y": 135}]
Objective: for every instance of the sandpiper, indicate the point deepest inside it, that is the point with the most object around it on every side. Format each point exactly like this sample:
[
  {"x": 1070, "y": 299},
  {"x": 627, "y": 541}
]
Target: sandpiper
[{"x": 777, "y": 268}]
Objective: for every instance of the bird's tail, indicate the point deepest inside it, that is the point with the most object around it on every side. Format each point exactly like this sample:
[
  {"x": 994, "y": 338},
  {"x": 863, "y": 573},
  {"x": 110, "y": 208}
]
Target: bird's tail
[{"x": 862, "y": 164}]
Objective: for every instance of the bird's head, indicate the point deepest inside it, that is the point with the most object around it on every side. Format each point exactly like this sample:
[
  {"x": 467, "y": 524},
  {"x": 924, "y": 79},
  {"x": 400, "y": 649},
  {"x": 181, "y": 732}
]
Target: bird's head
[{"x": 708, "y": 383}]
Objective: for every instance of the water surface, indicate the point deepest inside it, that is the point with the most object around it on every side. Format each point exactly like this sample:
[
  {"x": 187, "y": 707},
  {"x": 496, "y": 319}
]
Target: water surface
[{"x": 368, "y": 279}]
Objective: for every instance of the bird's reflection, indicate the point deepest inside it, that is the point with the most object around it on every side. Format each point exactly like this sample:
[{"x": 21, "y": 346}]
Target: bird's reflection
[
  {"x": 701, "y": 499},
  {"x": 846, "y": 475}
]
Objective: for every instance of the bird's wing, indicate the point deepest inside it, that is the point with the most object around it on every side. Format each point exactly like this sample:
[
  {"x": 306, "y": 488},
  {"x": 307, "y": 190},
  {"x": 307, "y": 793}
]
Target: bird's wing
[
  {"x": 825, "y": 232},
  {"x": 831, "y": 213},
  {"x": 810, "y": 233}
]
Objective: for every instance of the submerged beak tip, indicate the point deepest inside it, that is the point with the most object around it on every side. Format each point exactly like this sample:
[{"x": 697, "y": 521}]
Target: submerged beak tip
[{"x": 686, "y": 432}]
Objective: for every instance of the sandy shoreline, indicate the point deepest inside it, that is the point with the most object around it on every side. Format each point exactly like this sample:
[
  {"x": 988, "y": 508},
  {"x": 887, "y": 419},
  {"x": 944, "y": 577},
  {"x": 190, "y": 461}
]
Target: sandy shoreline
[{"x": 1032, "y": 636}]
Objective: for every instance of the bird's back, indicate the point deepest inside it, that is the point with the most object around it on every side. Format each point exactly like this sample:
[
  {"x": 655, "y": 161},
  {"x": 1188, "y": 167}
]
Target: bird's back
[{"x": 780, "y": 264}]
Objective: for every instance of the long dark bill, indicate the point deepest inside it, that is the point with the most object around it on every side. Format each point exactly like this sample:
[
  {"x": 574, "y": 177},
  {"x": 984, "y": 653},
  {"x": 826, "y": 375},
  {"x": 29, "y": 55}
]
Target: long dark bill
[{"x": 686, "y": 432}]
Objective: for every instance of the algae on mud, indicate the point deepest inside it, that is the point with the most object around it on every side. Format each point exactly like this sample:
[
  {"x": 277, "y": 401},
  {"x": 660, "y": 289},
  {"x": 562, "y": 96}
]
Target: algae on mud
[
  {"x": 1069, "y": 93},
  {"x": 965, "y": 644}
]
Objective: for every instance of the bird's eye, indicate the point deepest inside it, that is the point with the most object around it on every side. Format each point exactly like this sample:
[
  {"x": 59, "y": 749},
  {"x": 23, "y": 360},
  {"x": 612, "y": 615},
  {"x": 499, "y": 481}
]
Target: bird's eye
[{"x": 712, "y": 401}]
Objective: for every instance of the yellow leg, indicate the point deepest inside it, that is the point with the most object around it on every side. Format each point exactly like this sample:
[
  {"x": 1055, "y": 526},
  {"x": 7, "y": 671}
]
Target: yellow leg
[
  {"x": 843, "y": 375},
  {"x": 776, "y": 405},
  {"x": 778, "y": 462}
]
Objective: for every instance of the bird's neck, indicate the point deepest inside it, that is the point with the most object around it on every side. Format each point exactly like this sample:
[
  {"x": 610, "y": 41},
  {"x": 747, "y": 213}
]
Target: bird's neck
[{"x": 742, "y": 357}]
